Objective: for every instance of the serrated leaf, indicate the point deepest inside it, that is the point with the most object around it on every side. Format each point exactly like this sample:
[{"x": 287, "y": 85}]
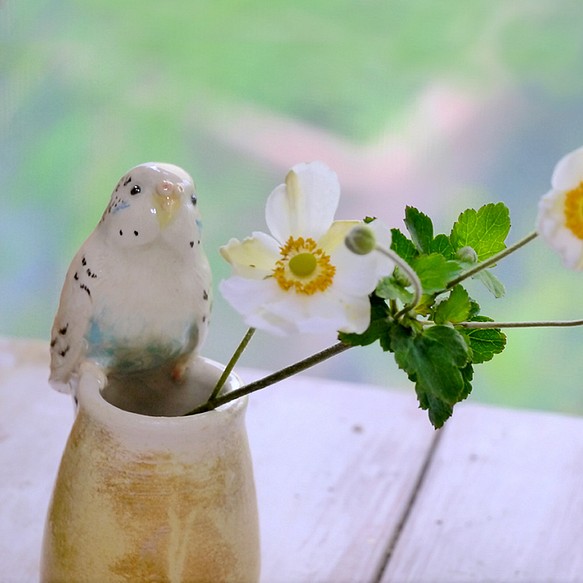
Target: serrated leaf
[
  {"x": 484, "y": 230},
  {"x": 468, "y": 375},
  {"x": 438, "y": 410},
  {"x": 378, "y": 327},
  {"x": 456, "y": 308},
  {"x": 402, "y": 246},
  {"x": 420, "y": 228},
  {"x": 433, "y": 360},
  {"x": 389, "y": 288},
  {"x": 492, "y": 283},
  {"x": 484, "y": 342},
  {"x": 435, "y": 271},
  {"x": 474, "y": 309},
  {"x": 424, "y": 307},
  {"x": 442, "y": 245}
]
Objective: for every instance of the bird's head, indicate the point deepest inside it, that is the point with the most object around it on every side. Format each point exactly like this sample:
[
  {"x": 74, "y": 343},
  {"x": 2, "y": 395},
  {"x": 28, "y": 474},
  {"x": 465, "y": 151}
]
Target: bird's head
[{"x": 153, "y": 199}]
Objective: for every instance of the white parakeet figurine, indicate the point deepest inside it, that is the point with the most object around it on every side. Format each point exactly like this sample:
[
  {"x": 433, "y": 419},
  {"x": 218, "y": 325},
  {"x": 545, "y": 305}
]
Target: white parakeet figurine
[{"x": 137, "y": 295}]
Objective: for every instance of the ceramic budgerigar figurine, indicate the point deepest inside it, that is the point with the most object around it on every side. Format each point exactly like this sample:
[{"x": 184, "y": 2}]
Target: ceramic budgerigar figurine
[{"x": 137, "y": 295}]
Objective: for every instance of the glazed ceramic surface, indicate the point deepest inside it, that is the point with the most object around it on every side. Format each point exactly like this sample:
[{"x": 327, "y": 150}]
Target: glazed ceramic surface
[
  {"x": 154, "y": 498},
  {"x": 137, "y": 295}
]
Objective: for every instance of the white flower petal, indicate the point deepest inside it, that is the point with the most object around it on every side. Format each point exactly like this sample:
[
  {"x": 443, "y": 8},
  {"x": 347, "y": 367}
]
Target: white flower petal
[
  {"x": 360, "y": 274},
  {"x": 254, "y": 257},
  {"x": 357, "y": 314},
  {"x": 281, "y": 316},
  {"x": 382, "y": 233},
  {"x": 335, "y": 235},
  {"x": 337, "y": 311},
  {"x": 248, "y": 295},
  {"x": 305, "y": 205},
  {"x": 270, "y": 323},
  {"x": 551, "y": 225},
  {"x": 317, "y": 314},
  {"x": 355, "y": 274},
  {"x": 568, "y": 172}
]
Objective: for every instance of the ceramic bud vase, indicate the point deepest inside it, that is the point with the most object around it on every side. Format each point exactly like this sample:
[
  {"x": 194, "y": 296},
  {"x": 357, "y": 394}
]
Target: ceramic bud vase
[{"x": 140, "y": 497}]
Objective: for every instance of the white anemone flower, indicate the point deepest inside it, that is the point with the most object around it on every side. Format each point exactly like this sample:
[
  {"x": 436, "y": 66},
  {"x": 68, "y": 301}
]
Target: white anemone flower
[
  {"x": 560, "y": 217},
  {"x": 302, "y": 278}
]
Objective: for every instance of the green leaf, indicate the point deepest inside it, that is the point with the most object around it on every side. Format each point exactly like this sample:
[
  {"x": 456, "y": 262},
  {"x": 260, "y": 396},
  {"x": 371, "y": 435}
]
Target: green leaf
[
  {"x": 484, "y": 230},
  {"x": 492, "y": 283},
  {"x": 442, "y": 245},
  {"x": 468, "y": 375},
  {"x": 488, "y": 279},
  {"x": 474, "y": 309},
  {"x": 402, "y": 246},
  {"x": 456, "y": 308},
  {"x": 389, "y": 288},
  {"x": 379, "y": 325},
  {"x": 484, "y": 342},
  {"x": 434, "y": 360},
  {"x": 420, "y": 227},
  {"x": 435, "y": 271}
]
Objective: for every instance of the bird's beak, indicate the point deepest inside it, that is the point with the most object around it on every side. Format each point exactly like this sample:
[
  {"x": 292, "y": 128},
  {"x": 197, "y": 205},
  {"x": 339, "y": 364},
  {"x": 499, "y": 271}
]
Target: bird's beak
[{"x": 167, "y": 200}]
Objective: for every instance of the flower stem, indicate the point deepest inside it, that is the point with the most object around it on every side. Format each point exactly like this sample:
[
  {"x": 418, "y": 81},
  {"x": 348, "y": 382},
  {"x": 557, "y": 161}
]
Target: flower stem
[
  {"x": 533, "y": 324},
  {"x": 275, "y": 377},
  {"x": 231, "y": 364},
  {"x": 492, "y": 260}
]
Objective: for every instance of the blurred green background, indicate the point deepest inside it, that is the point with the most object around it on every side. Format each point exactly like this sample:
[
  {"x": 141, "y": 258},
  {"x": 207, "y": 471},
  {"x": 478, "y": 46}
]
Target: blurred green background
[{"x": 441, "y": 104}]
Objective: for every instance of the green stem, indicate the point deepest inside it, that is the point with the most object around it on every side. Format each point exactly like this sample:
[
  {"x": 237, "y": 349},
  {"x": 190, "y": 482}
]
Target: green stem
[
  {"x": 231, "y": 364},
  {"x": 492, "y": 260},
  {"x": 534, "y": 324},
  {"x": 273, "y": 378}
]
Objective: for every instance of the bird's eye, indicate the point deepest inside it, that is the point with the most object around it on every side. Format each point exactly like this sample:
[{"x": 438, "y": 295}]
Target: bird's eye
[
  {"x": 193, "y": 199},
  {"x": 135, "y": 189}
]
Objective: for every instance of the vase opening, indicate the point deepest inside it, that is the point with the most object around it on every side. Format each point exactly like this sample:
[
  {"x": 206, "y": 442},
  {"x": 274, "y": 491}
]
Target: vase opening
[{"x": 156, "y": 393}]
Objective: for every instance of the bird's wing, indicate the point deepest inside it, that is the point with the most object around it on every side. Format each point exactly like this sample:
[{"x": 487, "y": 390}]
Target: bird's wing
[{"x": 68, "y": 345}]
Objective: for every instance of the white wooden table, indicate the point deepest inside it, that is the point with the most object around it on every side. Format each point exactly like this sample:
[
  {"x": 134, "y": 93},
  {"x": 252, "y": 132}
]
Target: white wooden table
[{"x": 353, "y": 484}]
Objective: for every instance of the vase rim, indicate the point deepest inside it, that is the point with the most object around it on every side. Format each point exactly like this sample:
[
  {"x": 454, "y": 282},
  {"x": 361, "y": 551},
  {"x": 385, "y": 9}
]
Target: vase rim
[{"x": 91, "y": 395}]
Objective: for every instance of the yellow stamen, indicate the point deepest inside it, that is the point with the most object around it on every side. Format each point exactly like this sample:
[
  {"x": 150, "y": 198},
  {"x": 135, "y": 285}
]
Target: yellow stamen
[
  {"x": 574, "y": 211},
  {"x": 303, "y": 267}
]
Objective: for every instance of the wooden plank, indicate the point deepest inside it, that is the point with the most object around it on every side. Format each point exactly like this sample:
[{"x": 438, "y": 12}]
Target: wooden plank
[
  {"x": 335, "y": 466},
  {"x": 502, "y": 501}
]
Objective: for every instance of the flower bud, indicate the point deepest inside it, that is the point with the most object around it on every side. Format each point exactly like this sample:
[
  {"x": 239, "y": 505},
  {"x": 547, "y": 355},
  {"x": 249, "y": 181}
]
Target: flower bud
[
  {"x": 467, "y": 254},
  {"x": 401, "y": 278},
  {"x": 361, "y": 240}
]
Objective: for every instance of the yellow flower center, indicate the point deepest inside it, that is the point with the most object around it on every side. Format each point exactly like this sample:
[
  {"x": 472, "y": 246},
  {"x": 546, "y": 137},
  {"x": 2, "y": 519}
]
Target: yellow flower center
[
  {"x": 574, "y": 211},
  {"x": 303, "y": 264},
  {"x": 303, "y": 267}
]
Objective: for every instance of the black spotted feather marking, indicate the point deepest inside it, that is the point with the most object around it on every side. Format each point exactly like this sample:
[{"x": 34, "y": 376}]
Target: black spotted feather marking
[{"x": 87, "y": 271}]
